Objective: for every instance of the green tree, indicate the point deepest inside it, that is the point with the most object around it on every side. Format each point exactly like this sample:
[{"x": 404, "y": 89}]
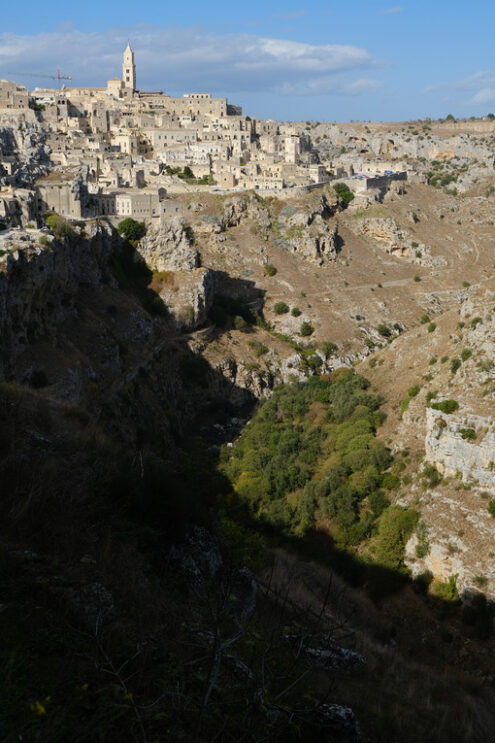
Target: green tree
[
  {"x": 344, "y": 192},
  {"x": 131, "y": 229},
  {"x": 306, "y": 329}
]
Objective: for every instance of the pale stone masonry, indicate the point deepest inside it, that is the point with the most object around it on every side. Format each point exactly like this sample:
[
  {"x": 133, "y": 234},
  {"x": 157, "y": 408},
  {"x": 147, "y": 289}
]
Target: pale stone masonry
[{"x": 102, "y": 143}]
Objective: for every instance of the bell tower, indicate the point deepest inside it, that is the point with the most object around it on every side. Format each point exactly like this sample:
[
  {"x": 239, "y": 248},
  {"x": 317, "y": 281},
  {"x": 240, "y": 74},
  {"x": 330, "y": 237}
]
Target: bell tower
[{"x": 129, "y": 68}]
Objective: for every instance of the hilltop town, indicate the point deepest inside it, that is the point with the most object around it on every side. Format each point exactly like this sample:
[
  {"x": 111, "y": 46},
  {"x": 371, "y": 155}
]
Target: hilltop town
[
  {"x": 85, "y": 152},
  {"x": 117, "y": 150}
]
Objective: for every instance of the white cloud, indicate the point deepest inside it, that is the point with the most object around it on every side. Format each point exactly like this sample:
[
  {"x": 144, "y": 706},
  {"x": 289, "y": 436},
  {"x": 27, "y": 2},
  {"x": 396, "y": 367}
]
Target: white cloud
[
  {"x": 475, "y": 90},
  {"x": 391, "y": 11},
  {"x": 186, "y": 59},
  {"x": 473, "y": 82},
  {"x": 485, "y": 95},
  {"x": 336, "y": 85}
]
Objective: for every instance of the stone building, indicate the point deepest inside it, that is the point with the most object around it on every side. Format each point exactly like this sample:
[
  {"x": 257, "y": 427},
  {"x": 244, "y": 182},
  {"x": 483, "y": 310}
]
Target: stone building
[
  {"x": 13, "y": 96},
  {"x": 129, "y": 68},
  {"x": 63, "y": 192}
]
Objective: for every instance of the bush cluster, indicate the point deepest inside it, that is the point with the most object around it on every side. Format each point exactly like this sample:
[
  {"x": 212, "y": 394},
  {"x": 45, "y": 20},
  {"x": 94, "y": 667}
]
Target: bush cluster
[{"x": 291, "y": 469}]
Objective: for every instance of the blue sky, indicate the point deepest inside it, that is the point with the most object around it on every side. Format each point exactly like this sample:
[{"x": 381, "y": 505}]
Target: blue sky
[{"x": 354, "y": 59}]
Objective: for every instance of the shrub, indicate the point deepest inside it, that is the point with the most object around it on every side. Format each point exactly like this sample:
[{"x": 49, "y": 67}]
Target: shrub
[
  {"x": 328, "y": 348},
  {"x": 446, "y": 590},
  {"x": 455, "y": 365},
  {"x": 404, "y": 404},
  {"x": 281, "y": 308},
  {"x": 390, "y": 481},
  {"x": 417, "y": 278},
  {"x": 446, "y": 406},
  {"x": 270, "y": 270},
  {"x": 259, "y": 349},
  {"x": 432, "y": 475},
  {"x": 58, "y": 225},
  {"x": 433, "y": 361},
  {"x": 468, "y": 434},
  {"x": 466, "y": 354},
  {"x": 295, "y": 312},
  {"x": 240, "y": 323},
  {"x": 378, "y": 502},
  {"x": 423, "y": 546},
  {"x": 131, "y": 229},
  {"x": 344, "y": 192},
  {"x": 444, "y": 359},
  {"x": 424, "y": 319},
  {"x": 491, "y": 508},
  {"x": 306, "y": 329},
  {"x": 384, "y": 330},
  {"x": 396, "y": 526},
  {"x": 466, "y": 284},
  {"x": 431, "y": 327},
  {"x": 43, "y": 240},
  {"x": 414, "y": 390}
]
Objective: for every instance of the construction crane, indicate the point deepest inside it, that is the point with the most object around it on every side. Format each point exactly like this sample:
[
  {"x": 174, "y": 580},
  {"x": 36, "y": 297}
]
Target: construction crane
[{"x": 58, "y": 76}]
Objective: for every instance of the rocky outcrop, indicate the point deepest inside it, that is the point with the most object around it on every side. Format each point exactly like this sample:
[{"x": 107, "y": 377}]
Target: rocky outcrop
[
  {"x": 450, "y": 446},
  {"x": 189, "y": 296},
  {"x": 170, "y": 248},
  {"x": 319, "y": 248},
  {"x": 236, "y": 210},
  {"x": 387, "y": 234},
  {"x": 455, "y": 535},
  {"x": 307, "y": 231},
  {"x": 18, "y": 209},
  {"x": 26, "y": 144},
  {"x": 36, "y": 281},
  {"x": 240, "y": 208}
]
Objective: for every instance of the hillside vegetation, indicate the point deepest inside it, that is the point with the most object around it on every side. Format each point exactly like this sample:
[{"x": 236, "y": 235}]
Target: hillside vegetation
[{"x": 311, "y": 457}]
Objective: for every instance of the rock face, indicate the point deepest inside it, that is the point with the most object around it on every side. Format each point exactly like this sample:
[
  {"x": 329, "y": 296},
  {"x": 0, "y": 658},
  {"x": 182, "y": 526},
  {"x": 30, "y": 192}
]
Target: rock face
[
  {"x": 321, "y": 247},
  {"x": 36, "y": 282},
  {"x": 189, "y": 296},
  {"x": 453, "y": 454},
  {"x": 237, "y": 209},
  {"x": 170, "y": 248},
  {"x": 387, "y": 234},
  {"x": 18, "y": 210},
  {"x": 456, "y": 535},
  {"x": 31, "y": 155},
  {"x": 309, "y": 233}
]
